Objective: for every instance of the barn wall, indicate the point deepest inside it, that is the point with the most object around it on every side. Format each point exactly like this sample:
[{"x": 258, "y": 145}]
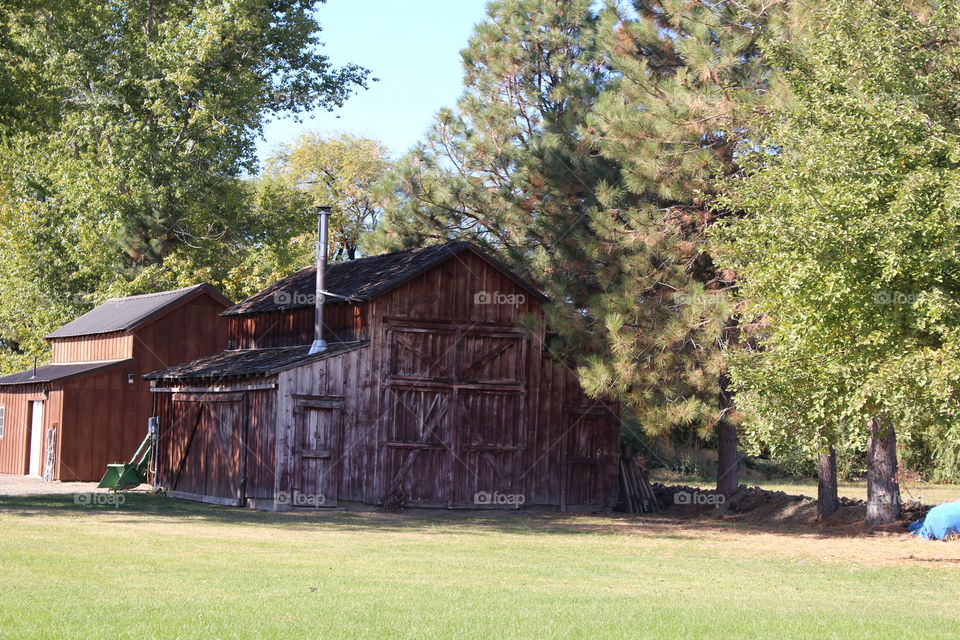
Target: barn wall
[
  {"x": 104, "y": 420},
  {"x": 343, "y": 321},
  {"x": 450, "y": 394},
  {"x": 107, "y": 346},
  {"x": 261, "y": 445},
  {"x": 522, "y": 427},
  {"x": 450, "y": 292},
  {"x": 565, "y": 424},
  {"x": 350, "y": 468},
  {"x": 104, "y": 416},
  {"x": 185, "y": 333}
]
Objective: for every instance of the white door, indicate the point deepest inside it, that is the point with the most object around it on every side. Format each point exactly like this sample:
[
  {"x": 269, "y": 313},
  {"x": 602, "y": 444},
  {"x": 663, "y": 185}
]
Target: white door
[{"x": 36, "y": 439}]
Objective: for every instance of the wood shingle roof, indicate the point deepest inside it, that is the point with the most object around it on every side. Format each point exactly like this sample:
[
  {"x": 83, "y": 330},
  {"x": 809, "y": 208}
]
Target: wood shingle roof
[{"x": 364, "y": 279}]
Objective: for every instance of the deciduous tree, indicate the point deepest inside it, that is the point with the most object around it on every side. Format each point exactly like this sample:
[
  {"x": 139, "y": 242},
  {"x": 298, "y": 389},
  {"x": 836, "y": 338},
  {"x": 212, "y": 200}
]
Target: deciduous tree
[
  {"x": 141, "y": 123},
  {"x": 851, "y": 248},
  {"x": 341, "y": 171}
]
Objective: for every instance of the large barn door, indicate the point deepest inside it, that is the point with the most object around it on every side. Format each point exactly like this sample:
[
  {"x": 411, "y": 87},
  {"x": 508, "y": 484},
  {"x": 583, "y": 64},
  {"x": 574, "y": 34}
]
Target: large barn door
[
  {"x": 206, "y": 443},
  {"x": 588, "y": 455},
  {"x": 491, "y": 358},
  {"x": 317, "y": 421},
  {"x": 417, "y": 447},
  {"x": 454, "y": 415}
]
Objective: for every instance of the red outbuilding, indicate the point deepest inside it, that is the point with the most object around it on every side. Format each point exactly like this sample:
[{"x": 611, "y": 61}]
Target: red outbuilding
[{"x": 89, "y": 407}]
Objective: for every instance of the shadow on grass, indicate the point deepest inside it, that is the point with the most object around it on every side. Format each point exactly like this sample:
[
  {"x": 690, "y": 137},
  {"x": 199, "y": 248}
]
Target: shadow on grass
[{"x": 522, "y": 522}]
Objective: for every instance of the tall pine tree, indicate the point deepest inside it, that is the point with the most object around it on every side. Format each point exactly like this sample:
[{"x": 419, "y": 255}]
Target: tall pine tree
[
  {"x": 687, "y": 74},
  {"x": 583, "y": 150}
]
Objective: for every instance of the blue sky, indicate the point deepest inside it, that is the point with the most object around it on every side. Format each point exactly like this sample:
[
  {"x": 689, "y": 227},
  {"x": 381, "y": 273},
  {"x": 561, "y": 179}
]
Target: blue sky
[{"x": 412, "y": 46}]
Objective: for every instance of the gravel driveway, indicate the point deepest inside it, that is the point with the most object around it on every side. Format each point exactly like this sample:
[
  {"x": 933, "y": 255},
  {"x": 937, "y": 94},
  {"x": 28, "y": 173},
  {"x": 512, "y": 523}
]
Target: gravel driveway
[{"x": 11, "y": 485}]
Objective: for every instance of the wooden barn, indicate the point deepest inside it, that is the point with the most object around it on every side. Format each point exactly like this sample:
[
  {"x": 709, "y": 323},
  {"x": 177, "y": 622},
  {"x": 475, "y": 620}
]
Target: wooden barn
[
  {"x": 89, "y": 407},
  {"x": 429, "y": 391}
]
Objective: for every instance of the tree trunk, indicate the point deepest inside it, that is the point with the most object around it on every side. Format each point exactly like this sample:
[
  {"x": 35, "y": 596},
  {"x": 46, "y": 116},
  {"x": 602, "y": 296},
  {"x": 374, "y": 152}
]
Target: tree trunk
[
  {"x": 727, "y": 462},
  {"x": 827, "y": 500},
  {"x": 727, "y": 481},
  {"x": 883, "y": 492}
]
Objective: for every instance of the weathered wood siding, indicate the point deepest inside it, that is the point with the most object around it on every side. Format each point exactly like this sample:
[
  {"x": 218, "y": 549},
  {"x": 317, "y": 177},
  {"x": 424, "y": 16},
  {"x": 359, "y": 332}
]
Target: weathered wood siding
[
  {"x": 261, "y": 445},
  {"x": 344, "y": 385},
  {"x": 101, "y": 417},
  {"x": 105, "y": 415},
  {"x": 343, "y": 321},
  {"x": 107, "y": 346},
  {"x": 185, "y": 333},
  {"x": 470, "y": 406}
]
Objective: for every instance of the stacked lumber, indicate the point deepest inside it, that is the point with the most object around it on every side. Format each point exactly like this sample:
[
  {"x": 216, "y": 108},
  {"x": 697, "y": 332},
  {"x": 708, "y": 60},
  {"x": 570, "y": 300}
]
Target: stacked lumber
[{"x": 635, "y": 488}]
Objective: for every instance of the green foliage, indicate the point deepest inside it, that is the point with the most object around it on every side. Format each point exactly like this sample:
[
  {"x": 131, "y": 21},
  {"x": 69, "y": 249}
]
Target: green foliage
[
  {"x": 507, "y": 167},
  {"x": 850, "y": 251},
  {"x": 686, "y": 73},
  {"x": 339, "y": 171},
  {"x": 580, "y": 151},
  {"x": 123, "y": 169}
]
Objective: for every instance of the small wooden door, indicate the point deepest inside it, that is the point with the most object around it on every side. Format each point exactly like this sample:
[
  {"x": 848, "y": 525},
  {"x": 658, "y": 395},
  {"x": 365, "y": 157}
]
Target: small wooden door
[
  {"x": 36, "y": 438},
  {"x": 316, "y": 475}
]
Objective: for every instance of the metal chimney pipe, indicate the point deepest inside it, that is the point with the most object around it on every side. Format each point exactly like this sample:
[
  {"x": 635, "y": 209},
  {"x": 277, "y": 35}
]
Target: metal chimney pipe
[{"x": 323, "y": 222}]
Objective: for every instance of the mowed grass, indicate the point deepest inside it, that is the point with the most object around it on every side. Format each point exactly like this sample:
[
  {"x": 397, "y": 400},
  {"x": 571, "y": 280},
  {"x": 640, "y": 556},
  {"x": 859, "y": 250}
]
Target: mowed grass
[
  {"x": 159, "y": 568},
  {"x": 923, "y": 492}
]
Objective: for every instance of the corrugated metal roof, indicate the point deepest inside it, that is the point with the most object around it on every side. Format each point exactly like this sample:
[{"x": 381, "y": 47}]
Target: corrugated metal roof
[
  {"x": 123, "y": 314},
  {"x": 363, "y": 279},
  {"x": 55, "y": 372},
  {"x": 248, "y": 363}
]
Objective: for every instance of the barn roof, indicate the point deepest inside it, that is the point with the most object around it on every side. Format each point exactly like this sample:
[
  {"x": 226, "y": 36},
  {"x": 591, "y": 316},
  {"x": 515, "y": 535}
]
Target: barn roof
[
  {"x": 56, "y": 372},
  {"x": 365, "y": 278},
  {"x": 123, "y": 314},
  {"x": 250, "y": 363}
]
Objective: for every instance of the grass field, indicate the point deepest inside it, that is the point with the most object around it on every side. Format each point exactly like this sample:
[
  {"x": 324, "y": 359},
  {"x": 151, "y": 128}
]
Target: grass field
[{"x": 159, "y": 568}]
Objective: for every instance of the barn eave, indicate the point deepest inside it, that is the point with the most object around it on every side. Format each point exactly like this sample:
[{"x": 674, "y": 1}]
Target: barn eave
[{"x": 243, "y": 364}]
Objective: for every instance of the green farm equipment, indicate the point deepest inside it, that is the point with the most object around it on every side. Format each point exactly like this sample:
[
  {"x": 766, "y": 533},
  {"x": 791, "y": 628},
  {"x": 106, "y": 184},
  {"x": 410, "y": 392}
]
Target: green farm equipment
[{"x": 126, "y": 475}]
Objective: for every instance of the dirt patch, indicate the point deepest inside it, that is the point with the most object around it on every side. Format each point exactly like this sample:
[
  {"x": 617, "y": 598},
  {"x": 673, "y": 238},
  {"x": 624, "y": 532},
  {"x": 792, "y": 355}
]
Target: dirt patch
[{"x": 753, "y": 504}]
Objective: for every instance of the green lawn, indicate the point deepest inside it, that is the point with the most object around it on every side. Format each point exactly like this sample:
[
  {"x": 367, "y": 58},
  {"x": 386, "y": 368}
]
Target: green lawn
[{"x": 158, "y": 568}]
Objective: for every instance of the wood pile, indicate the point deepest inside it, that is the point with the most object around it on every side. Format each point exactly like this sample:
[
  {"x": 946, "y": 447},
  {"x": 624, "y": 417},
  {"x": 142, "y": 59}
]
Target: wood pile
[{"x": 637, "y": 495}]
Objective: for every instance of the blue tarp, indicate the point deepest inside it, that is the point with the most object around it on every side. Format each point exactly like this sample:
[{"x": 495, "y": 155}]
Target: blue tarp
[{"x": 941, "y": 521}]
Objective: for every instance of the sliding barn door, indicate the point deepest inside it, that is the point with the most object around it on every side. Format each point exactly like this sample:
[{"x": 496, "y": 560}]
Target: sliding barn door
[
  {"x": 205, "y": 444},
  {"x": 489, "y": 446},
  {"x": 416, "y": 451}
]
